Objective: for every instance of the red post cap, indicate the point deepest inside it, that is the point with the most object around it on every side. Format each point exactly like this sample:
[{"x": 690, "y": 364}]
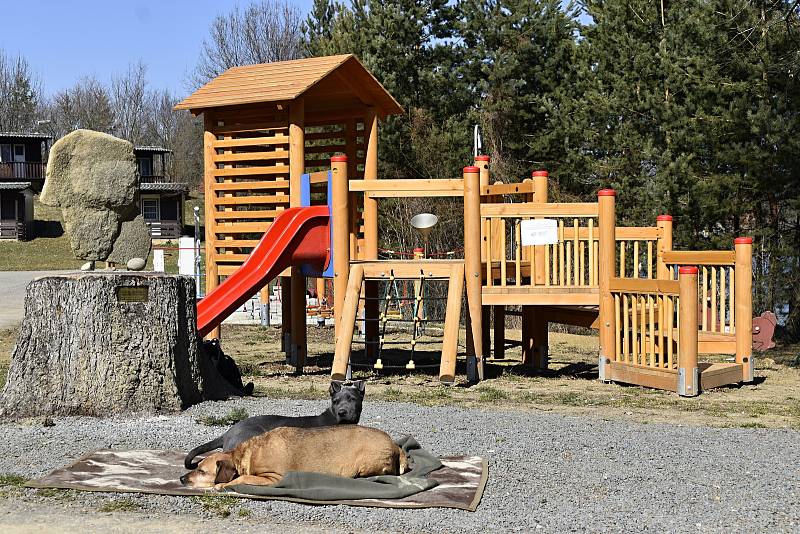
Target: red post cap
[
  {"x": 419, "y": 249},
  {"x": 471, "y": 168},
  {"x": 688, "y": 270},
  {"x": 606, "y": 193},
  {"x": 340, "y": 157},
  {"x": 743, "y": 241},
  {"x": 482, "y": 157},
  {"x": 664, "y": 218},
  {"x": 541, "y": 172}
]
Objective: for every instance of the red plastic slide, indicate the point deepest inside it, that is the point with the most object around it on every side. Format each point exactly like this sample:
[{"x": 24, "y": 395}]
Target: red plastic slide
[{"x": 297, "y": 236}]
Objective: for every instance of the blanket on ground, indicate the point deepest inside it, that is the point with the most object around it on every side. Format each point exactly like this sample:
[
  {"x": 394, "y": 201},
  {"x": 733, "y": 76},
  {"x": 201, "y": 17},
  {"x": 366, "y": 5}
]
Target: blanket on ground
[{"x": 449, "y": 482}]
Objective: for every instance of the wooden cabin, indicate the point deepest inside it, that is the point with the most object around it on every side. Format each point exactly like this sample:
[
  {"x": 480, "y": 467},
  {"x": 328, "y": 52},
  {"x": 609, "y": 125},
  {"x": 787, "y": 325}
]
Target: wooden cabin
[
  {"x": 16, "y": 210},
  {"x": 161, "y": 199},
  {"x": 265, "y": 126},
  {"x": 22, "y": 158}
]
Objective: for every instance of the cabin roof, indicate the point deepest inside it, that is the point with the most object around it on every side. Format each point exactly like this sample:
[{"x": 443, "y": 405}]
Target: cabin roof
[
  {"x": 152, "y": 149},
  {"x": 14, "y": 186},
  {"x": 26, "y": 135},
  {"x": 165, "y": 186},
  {"x": 284, "y": 81}
]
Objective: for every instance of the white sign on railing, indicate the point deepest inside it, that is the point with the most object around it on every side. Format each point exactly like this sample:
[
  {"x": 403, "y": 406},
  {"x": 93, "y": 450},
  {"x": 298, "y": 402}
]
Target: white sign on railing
[{"x": 539, "y": 232}]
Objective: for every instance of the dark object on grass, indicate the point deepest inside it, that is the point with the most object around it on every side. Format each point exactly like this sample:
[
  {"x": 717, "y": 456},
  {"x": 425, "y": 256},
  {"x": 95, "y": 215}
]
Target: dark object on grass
[{"x": 226, "y": 366}]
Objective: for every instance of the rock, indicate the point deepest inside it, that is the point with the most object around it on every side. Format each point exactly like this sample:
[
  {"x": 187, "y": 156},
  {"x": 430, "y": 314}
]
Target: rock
[
  {"x": 88, "y": 266},
  {"x": 91, "y": 232},
  {"x": 93, "y": 178},
  {"x": 133, "y": 242},
  {"x": 93, "y": 170},
  {"x": 136, "y": 264}
]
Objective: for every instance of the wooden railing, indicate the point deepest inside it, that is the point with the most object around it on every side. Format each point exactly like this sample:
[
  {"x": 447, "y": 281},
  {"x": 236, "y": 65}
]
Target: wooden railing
[
  {"x": 25, "y": 170},
  {"x": 12, "y": 230},
  {"x": 151, "y": 179},
  {"x": 570, "y": 261},
  {"x": 647, "y": 319}
]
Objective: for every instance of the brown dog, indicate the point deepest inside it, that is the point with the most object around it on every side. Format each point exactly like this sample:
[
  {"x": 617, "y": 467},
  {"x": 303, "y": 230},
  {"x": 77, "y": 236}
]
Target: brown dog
[{"x": 346, "y": 450}]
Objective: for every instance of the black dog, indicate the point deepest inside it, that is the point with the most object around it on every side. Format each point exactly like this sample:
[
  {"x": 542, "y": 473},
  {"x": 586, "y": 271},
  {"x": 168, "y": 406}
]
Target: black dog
[{"x": 345, "y": 408}]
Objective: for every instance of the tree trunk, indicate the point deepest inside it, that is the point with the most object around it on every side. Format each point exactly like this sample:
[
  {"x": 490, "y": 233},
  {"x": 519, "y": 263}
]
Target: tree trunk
[{"x": 109, "y": 342}]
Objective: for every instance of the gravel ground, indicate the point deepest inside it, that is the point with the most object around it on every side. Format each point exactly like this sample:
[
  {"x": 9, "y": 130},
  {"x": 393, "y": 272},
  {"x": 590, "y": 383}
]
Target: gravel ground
[{"x": 547, "y": 471}]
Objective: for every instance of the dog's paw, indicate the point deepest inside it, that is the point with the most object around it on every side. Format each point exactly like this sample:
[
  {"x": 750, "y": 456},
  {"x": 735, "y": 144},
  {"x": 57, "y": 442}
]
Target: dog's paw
[{"x": 220, "y": 486}]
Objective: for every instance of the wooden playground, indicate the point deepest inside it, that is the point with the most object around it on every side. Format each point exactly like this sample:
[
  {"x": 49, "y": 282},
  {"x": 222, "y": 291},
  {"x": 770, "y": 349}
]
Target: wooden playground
[{"x": 305, "y": 132}]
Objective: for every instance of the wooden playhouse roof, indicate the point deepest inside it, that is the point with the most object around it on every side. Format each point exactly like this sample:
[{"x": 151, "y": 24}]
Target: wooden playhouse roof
[{"x": 325, "y": 82}]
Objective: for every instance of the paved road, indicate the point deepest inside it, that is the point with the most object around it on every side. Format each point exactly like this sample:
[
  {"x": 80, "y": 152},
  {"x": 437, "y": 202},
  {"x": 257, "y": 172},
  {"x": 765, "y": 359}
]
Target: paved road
[{"x": 12, "y": 292}]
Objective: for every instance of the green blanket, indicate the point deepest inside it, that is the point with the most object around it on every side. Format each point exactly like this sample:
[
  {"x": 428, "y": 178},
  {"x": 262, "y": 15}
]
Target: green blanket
[{"x": 319, "y": 487}]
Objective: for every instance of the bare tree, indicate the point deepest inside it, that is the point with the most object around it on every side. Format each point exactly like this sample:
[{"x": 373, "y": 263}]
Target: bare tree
[
  {"x": 265, "y": 31},
  {"x": 133, "y": 104},
  {"x": 20, "y": 94},
  {"x": 180, "y": 132},
  {"x": 87, "y": 104}
]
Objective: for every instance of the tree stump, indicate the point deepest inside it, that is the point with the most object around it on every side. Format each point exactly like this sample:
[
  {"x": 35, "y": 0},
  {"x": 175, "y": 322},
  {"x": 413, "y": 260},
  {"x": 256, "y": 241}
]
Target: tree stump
[{"x": 101, "y": 343}]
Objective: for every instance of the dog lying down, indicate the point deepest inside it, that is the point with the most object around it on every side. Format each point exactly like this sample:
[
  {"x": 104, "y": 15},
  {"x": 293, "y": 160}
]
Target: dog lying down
[
  {"x": 348, "y": 451},
  {"x": 345, "y": 408}
]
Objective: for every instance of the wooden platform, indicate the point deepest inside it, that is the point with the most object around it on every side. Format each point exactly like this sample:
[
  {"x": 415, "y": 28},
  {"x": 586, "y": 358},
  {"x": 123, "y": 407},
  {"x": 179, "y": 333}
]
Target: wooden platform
[{"x": 712, "y": 375}]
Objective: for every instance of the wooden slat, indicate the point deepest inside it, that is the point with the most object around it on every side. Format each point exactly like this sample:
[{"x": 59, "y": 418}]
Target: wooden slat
[
  {"x": 251, "y": 171},
  {"x": 536, "y": 209},
  {"x": 697, "y": 257},
  {"x": 251, "y": 141},
  {"x": 241, "y": 228},
  {"x": 507, "y": 189},
  {"x": 250, "y": 214},
  {"x": 251, "y": 199},
  {"x": 410, "y": 269},
  {"x": 636, "y": 233},
  {"x": 644, "y": 286},
  {"x": 250, "y": 156},
  {"x": 410, "y": 185},
  {"x": 250, "y": 186}
]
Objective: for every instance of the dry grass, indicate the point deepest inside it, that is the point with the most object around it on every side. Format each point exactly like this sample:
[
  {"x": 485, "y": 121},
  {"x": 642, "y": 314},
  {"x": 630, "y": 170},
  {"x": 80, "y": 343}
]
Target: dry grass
[{"x": 569, "y": 387}]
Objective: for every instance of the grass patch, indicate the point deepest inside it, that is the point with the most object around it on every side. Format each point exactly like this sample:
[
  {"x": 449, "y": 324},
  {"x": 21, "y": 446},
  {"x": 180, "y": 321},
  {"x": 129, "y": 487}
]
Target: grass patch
[
  {"x": 231, "y": 418},
  {"x": 243, "y": 512},
  {"x": 119, "y": 505},
  {"x": 49, "y": 251},
  {"x": 9, "y": 479},
  {"x": 310, "y": 392},
  {"x": 219, "y": 505},
  {"x": 492, "y": 394}
]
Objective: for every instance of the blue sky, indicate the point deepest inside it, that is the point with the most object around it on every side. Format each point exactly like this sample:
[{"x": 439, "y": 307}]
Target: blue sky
[{"x": 66, "y": 39}]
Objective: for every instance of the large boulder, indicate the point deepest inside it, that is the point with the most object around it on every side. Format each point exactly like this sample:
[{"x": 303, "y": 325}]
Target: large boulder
[
  {"x": 93, "y": 178},
  {"x": 92, "y": 170}
]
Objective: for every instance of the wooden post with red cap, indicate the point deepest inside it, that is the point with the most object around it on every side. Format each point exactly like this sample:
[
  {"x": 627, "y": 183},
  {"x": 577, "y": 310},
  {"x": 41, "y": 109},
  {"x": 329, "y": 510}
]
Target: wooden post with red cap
[
  {"x": 472, "y": 268},
  {"x": 664, "y": 244},
  {"x": 606, "y": 223},
  {"x": 688, "y": 372},
  {"x": 534, "y": 321},
  {"x": 743, "y": 294},
  {"x": 482, "y": 162},
  {"x": 340, "y": 213}
]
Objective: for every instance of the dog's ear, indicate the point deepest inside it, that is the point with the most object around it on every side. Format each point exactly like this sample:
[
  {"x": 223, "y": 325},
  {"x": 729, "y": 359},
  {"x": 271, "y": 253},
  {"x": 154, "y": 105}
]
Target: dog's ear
[
  {"x": 336, "y": 387},
  {"x": 225, "y": 471},
  {"x": 360, "y": 385}
]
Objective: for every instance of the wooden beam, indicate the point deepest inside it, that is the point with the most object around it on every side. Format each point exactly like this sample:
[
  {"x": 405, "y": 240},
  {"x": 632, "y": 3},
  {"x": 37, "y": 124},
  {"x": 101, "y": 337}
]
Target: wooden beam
[
  {"x": 705, "y": 257},
  {"x": 455, "y": 288},
  {"x": 212, "y": 273},
  {"x": 532, "y": 209},
  {"x": 410, "y": 269},
  {"x": 645, "y": 286},
  {"x": 344, "y": 338}
]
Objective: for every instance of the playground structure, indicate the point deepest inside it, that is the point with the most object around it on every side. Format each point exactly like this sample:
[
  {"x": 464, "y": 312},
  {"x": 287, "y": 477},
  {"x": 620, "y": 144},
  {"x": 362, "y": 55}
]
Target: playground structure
[
  {"x": 656, "y": 309},
  {"x": 265, "y": 127}
]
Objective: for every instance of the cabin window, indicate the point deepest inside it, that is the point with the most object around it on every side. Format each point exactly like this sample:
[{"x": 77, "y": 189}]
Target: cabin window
[
  {"x": 145, "y": 166},
  {"x": 151, "y": 209},
  {"x": 19, "y": 153},
  {"x": 5, "y": 153}
]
